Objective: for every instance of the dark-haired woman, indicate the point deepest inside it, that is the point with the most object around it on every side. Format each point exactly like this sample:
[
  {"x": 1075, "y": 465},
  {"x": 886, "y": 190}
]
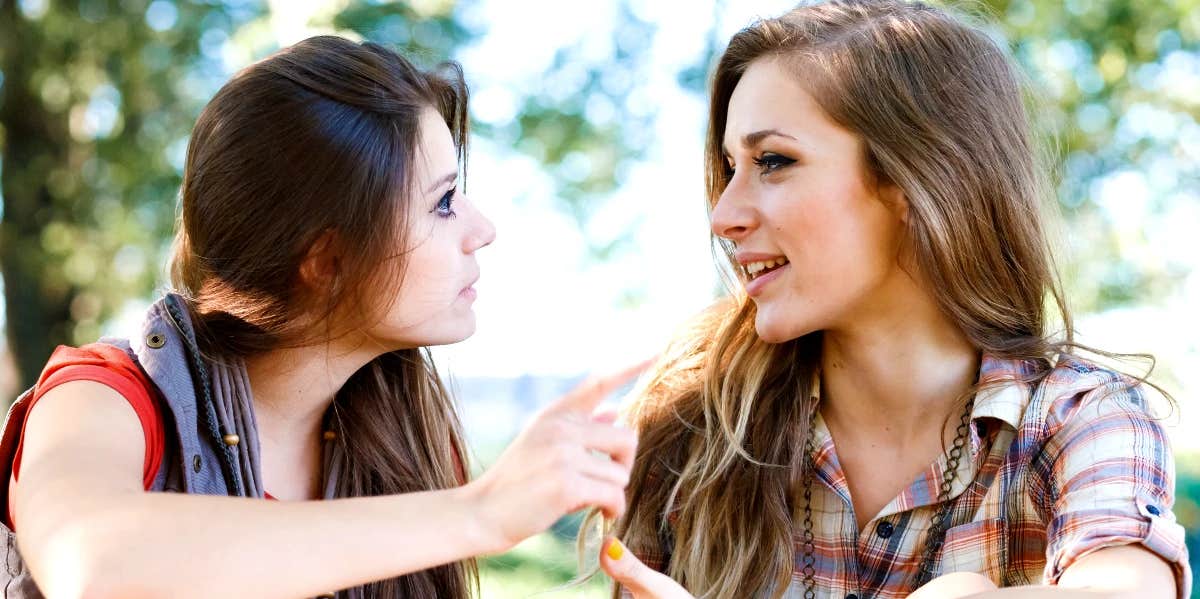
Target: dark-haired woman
[
  {"x": 884, "y": 406},
  {"x": 324, "y": 242}
]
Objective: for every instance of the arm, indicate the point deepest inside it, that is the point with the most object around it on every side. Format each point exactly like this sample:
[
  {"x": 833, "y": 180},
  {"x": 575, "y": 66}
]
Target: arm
[
  {"x": 1125, "y": 572},
  {"x": 1110, "y": 488},
  {"x": 86, "y": 527}
]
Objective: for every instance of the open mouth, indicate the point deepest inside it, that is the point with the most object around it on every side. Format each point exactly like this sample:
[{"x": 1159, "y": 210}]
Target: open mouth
[{"x": 755, "y": 270}]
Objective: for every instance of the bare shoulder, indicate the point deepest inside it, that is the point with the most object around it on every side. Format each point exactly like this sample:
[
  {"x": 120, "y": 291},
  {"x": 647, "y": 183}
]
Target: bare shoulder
[{"x": 80, "y": 435}]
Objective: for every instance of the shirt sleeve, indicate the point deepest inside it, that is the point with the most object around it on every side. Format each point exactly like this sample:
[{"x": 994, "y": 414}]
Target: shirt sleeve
[{"x": 1112, "y": 481}]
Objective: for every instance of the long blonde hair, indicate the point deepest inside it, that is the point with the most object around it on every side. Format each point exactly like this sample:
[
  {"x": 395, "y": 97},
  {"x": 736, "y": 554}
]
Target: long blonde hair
[{"x": 724, "y": 420}]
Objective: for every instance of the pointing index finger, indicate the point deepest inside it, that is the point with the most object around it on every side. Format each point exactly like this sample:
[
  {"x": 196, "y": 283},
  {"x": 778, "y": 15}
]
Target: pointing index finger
[{"x": 592, "y": 391}]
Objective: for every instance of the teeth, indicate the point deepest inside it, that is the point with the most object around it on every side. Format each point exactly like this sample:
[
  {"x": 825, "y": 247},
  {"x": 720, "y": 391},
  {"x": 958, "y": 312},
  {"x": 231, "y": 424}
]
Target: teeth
[{"x": 754, "y": 268}]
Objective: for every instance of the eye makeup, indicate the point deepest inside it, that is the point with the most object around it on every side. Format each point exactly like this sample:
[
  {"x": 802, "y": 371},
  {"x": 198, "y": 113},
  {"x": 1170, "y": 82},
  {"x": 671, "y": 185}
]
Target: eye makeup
[
  {"x": 767, "y": 163},
  {"x": 445, "y": 204}
]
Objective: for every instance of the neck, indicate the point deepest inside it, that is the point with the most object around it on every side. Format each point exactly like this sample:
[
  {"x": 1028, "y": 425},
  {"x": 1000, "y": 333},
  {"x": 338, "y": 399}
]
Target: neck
[
  {"x": 293, "y": 387},
  {"x": 893, "y": 373}
]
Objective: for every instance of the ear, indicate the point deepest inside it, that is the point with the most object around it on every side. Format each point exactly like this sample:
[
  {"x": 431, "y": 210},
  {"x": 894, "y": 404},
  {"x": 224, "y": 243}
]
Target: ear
[
  {"x": 894, "y": 197},
  {"x": 319, "y": 269}
]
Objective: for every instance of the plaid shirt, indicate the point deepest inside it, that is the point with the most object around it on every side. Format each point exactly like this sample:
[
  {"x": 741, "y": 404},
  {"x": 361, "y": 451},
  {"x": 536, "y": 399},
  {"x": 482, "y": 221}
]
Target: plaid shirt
[{"x": 1052, "y": 474}]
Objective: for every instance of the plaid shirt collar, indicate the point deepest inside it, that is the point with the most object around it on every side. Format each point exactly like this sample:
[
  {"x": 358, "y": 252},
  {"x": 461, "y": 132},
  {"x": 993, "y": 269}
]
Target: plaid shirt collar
[{"x": 1003, "y": 403}]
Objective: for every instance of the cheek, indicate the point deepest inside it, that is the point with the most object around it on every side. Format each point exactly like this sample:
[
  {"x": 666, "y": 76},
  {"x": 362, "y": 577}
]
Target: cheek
[
  {"x": 424, "y": 288},
  {"x": 811, "y": 227},
  {"x": 841, "y": 242},
  {"x": 839, "y": 228}
]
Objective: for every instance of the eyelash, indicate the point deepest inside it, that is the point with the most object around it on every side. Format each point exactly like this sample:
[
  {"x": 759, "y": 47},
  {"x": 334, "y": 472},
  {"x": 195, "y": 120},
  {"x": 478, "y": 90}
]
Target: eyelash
[
  {"x": 444, "y": 207},
  {"x": 767, "y": 163}
]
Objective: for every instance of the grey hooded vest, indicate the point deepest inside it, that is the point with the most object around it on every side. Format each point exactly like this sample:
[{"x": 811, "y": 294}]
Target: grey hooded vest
[{"x": 195, "y": 460}]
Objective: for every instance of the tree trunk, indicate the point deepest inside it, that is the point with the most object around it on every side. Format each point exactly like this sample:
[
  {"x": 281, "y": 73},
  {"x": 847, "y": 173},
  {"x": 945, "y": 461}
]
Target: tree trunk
[{"x": 38, "y": 314}]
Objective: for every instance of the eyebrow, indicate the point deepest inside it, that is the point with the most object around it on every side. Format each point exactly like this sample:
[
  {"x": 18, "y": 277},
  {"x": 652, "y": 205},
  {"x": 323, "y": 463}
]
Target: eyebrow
[
  {"x": 752, "y": 139},
  {"x": 447, "y": 178}
]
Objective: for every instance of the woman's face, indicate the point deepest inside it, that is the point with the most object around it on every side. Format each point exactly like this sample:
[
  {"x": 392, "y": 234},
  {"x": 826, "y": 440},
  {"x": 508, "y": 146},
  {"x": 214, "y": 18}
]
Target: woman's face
[
  {"x": 817, "y": 240},
  {"x": 434, "y": 303}
]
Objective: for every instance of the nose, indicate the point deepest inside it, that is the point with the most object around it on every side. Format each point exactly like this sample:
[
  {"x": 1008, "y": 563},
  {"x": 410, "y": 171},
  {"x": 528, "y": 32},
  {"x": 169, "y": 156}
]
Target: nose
[
  {"x": 733, "y": 217},
  {"x": 482, "y": 232}
]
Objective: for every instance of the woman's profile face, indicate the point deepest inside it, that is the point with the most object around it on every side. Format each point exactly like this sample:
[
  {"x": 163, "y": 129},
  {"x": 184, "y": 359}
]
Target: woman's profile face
[
  {"x": 817, "y": 239},
  {"x": 433, "y": 305}
]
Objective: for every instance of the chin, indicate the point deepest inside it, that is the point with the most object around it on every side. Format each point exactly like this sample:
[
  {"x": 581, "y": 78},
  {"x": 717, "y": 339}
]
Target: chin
[
  {"x": 455, "y": 336},
  {"x": 773, "y": 330},
  {"x": 444, "y": 334}
]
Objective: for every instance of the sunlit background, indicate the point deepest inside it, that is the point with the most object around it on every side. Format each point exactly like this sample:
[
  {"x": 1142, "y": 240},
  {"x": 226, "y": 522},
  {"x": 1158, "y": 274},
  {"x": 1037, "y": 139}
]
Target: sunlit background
[{"x": 588, "y": 121}]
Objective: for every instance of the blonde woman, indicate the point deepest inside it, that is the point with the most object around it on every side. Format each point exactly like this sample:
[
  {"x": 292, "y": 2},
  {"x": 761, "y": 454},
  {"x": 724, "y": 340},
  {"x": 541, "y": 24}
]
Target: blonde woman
[{"x": 884, "y": 409}]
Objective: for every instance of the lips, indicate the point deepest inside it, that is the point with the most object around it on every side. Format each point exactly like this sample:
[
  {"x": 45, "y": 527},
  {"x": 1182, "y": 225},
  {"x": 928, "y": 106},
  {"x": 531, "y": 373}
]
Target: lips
[
  {"x": 469, "y": 291},
  {"x": 759, "y": 269},
  {"x": 755, "y": 286},
  {"x": 755, "y": 264}
]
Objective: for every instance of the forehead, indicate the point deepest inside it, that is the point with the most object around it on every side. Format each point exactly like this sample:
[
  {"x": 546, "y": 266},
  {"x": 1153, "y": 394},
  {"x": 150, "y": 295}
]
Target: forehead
[
  {"x": 769, "y": 96},
  {"x": 436, "y": 153}
]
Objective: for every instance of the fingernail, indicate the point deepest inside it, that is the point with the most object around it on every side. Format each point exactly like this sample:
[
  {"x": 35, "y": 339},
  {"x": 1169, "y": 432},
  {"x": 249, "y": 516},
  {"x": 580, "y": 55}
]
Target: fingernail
[{"x": 615, "y": 550}]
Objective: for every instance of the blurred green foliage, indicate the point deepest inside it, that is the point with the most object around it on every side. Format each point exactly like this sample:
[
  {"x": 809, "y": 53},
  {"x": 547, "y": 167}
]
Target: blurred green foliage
[
  {"x": 97, "y": 98},
  {"x": 1187, "y": 509},
  {"x": 545, "y": 565},
  {"x": 1118, "y": 83}
]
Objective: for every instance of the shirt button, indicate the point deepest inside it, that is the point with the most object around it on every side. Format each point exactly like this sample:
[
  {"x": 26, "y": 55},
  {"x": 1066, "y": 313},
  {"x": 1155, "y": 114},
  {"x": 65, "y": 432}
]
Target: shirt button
[
  {"x": 1153, "y": 509},
  {"x": 885, "y": 530}
]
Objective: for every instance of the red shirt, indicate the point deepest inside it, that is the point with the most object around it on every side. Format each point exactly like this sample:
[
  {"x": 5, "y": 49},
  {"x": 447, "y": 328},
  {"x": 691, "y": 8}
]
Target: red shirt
[{"x": 114, "y": 368}]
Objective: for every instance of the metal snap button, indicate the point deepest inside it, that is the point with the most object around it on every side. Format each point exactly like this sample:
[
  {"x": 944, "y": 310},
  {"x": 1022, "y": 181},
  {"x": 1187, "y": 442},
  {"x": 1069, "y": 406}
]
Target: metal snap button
[{"x": 156, "y": 340}]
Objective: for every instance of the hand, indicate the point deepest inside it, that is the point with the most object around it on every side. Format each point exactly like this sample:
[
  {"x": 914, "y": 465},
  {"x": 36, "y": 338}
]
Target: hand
[
  {"x": 628, "y": 571},
  {"x": 565, "y": 460},
  {"x": 953, "y": 586}
]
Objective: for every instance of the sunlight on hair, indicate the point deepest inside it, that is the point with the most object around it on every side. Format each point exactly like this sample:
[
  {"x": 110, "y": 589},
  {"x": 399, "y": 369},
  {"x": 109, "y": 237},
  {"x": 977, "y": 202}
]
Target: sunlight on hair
[{"x": 592, "y": 532}]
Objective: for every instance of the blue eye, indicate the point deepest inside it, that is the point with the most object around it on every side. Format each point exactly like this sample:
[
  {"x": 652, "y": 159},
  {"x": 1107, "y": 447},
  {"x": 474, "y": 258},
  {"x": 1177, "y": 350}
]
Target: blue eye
[{"x": 445, "y": 205}]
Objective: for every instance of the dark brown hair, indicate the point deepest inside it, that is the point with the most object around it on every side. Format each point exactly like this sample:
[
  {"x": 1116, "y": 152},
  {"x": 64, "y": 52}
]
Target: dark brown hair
[{"x": 318, "y": 142}]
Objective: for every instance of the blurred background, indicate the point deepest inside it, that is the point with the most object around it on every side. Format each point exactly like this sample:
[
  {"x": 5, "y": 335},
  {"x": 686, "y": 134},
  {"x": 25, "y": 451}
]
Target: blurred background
[{"x": 588, "y": 121}]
